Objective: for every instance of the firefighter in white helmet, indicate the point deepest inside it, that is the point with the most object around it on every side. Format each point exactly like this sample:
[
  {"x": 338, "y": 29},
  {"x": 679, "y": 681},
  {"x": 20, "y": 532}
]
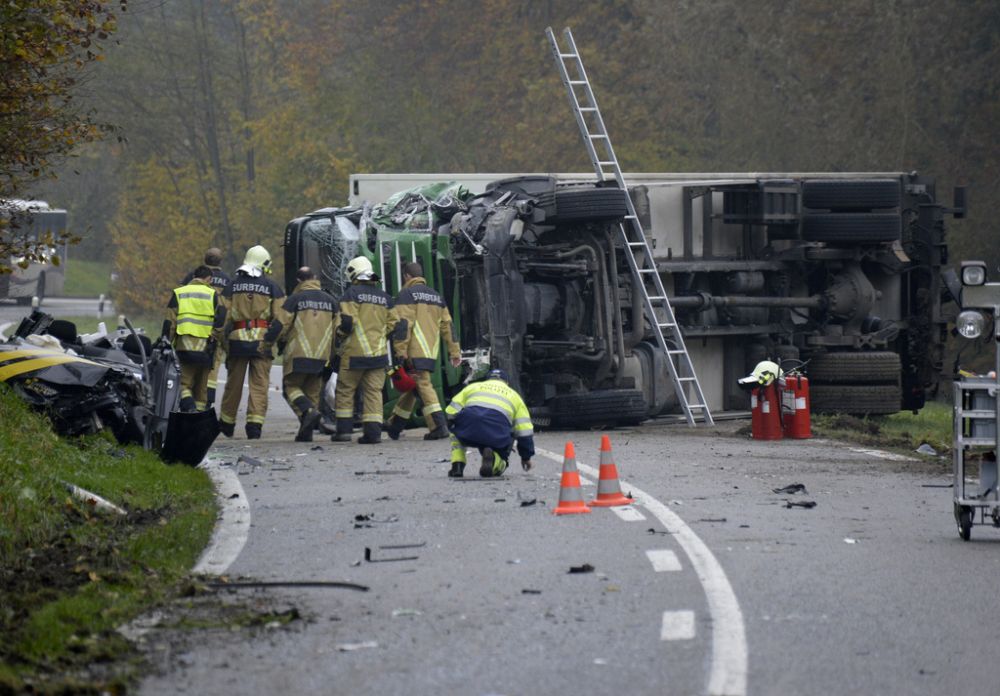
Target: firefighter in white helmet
[{"x": 251, "y": 329}]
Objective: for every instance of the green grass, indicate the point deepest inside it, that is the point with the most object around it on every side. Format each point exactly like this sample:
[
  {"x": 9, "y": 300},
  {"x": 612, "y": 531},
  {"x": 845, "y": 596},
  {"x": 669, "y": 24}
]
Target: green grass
[
  {"x": 87, "y": 278},
  {"x": 68, "y": 574},
  {"x": 901, "y": 431}
]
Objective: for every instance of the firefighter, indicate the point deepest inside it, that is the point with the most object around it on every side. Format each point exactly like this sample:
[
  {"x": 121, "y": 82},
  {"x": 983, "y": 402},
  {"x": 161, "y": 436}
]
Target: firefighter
[
  {"x": 195, "y": 317},
  {"x": 364, "y": 322},
  {"x": 423, "y": 318},
  {"x": 220, "y": 279},
  {"x": 252, "y": 300},
  {"x": 306, "y": 341},
  {"x": 489, "y": 415}
]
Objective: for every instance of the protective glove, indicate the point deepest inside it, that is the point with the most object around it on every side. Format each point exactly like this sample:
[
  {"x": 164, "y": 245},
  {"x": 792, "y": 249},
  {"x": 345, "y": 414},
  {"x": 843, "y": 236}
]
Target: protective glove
[
  {"x": 456, "y": 361},
  {"x": 526, "y": 464},
  {"x": 346, "y": 324},
  {"x": 210, "y": 347}
]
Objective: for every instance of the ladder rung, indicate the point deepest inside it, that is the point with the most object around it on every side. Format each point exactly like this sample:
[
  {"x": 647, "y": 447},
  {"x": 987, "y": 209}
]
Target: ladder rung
[
  {"x": 569, "y": 55},
  {"x": 606, "y": 163},
  {"x": 631, "y": 217},
  {"x": 690, "y": 405},
  {"x": 578, "y": 82},
  {"x": 588, "y": 108},
  {"x": 687, "y": 379},
  {"x": 676, "y": 352},
  {"x": 595, "y": 137},
  {"x": 667, "y": 325},
  {"x": 637, "y": 243},
  {"x": 647, "y": 270}
]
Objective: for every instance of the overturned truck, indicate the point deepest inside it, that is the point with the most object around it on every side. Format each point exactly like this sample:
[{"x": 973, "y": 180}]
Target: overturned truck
[{"x": 840, "y": 273}]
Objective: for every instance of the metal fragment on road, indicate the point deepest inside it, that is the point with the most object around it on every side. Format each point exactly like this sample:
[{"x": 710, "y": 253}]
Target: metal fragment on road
[
  {"x": 807, "y": 504},
  {"x": 369, "y": 559},
  {"x": 381, "y": 472},
  {"x": 419, "y": 544},
  {"x": 585, "y": 568},
  {"x": 791, "y": 489},
  {"x": 351, "y": 647}
]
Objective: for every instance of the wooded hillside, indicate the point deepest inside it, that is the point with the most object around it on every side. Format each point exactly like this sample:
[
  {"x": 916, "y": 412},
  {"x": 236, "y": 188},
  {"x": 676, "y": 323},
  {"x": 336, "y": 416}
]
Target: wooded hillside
[{"x": 241, "y": 114}]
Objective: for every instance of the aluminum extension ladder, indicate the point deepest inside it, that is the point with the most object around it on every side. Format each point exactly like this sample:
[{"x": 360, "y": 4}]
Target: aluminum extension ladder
[{"x": 637, "y": 249}]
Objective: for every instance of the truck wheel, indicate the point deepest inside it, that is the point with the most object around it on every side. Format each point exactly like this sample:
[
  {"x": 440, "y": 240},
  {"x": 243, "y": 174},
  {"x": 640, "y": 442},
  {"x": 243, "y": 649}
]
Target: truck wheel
[
  {"x": 590, "y": 204},
  {"x": 851, "y": 228},
  {"x": 541, "y": 188},
  {"x": 872, "y": 367},
  {"x": 861, "y": 400},
  {"x": 602, "y": 407},
  {"x": 850, "y": 194},
  {"x": 965, "y": 517}
]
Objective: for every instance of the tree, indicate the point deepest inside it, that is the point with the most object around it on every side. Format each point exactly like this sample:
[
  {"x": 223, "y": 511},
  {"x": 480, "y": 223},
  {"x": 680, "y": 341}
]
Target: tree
[{"x": 45, "y": 48}]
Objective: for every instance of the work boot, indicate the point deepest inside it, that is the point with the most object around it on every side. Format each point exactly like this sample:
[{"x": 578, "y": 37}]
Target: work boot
[
  {"x": 486, "y": 468},
  {"x": 457, "y": 469},
  {"x": 253, "y": 430},
  {"x": 307, "y": 425},
  {"x": 344, "y": 428},
  {"x": 326, "y": 426},
  {"x": 187, "y": 405},
  {"x": 394, "y": 428},
  {"x": 227, "y": 429},
  {"x": 372, "y": 434},
  {"x": 440, "y": 431}
]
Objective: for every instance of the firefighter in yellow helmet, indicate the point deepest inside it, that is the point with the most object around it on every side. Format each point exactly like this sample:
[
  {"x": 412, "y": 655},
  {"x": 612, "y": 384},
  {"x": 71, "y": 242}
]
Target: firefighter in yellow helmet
[
  {"x": 306, "y": 342},
  {"x": 195, "y": 317},
  {"x": 364, "y": 322},
  {"x": 251, "y": 328},
  {"x": 423, "y": 318}
]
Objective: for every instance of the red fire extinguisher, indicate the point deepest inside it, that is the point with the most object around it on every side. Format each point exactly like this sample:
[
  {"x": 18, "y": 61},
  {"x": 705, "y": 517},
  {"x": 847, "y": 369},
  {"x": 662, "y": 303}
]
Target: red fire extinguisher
[
  {"x": 795, "y": 407},
  {"x": 765, "y": 412}
]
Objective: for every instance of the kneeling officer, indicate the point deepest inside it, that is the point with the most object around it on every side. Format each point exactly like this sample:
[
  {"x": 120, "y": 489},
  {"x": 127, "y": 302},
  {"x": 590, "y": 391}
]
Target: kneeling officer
[{"x": 489, "y": 415}]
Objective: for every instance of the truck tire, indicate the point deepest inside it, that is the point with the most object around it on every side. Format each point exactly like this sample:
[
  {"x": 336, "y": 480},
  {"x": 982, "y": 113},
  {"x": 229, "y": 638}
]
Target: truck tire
[
  {"x": 850, "y": 194},
  {"x": 870, "y": 367},
  {"x": 602, "y": 407},
  {"x": 866, "y": 399},
  {"x": 541, "y": 188},
  {"x": 852, "y": 228},
  {"x": 590, "y": 204}
]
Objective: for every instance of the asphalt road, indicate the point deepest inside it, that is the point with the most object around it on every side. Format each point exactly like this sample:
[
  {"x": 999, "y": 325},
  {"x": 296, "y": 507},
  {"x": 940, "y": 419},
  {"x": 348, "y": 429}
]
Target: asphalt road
[
  {"x": 708, "y": 584},
  {"x": 10, "y": 311}
]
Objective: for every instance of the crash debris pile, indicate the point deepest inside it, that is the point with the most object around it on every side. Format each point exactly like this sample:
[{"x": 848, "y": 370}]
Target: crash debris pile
[{"x": 118, "y": 381}]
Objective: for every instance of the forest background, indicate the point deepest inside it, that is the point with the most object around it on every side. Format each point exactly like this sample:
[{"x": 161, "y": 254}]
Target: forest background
[{"x": 236, "y": 116}]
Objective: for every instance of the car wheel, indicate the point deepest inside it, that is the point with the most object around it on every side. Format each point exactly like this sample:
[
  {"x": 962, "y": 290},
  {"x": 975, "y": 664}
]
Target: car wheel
[
  {"x": 851, "y": 228},
  {"x": 850, "y": 194},
  {"x": 601, "y": 407},
  {"x": 872, "y": 367},
  {"x": 590, "y": 204},
  {"x": 860, "y": 400}
]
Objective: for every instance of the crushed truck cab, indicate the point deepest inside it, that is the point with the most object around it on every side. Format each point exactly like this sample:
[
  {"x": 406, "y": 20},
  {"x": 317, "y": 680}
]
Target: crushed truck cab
[{"x": 839, "y": 271}]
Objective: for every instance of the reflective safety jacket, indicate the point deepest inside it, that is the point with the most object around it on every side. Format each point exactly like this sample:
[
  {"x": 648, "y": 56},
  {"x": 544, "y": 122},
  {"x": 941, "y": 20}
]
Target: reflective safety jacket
[
  {"x": 252, "y": 303},
  {"x": 194, "y": 314},
  {"x": 306, "y": 320},
  {"x": 490, "y": 414},
  {"x": 423, "y": 316},
  {"x": 219, "y": 278},
  {"x": 364, "y": 345}
]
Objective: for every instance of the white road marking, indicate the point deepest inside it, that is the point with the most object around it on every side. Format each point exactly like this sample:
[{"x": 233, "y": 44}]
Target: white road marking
[
  {"x": 677, "y": 625},
  {"x": 233, "y": 526},
  {"x": 663, "y": 560},
  {"x": 728, "y": 676},
  {"x": 628, "y": 513},
  {"x": 880, "y": 454}
]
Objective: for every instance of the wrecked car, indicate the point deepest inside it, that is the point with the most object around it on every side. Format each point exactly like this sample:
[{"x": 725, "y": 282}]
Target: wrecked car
[
  {"x": 841, "y": 272},
  {"x": 120, "y": 382}
]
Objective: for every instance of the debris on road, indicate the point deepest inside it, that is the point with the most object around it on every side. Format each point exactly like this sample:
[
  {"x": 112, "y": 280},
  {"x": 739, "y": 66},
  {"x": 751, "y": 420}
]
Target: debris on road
[
  {"x": 791, "y": 489},
  {"x": 927, "y": 449},
  {"x": 585, "y": 568},
  {"x": 396, "y": 613},
  {"x": 381, "y": 472},
  {"x": 418, "y": 545},
  {"x": 527, "y": 591},
  {"x": 657, "y": 531},
  {"x": 362, "y": 521},
  {"x": 807, "y": 504},
  {"x": 529, "y": 502},
  {"x": 368, "y": 557},
  {"x": 712, "y": 519},
  {"x": 98, "y": 503},
  {"x": 235, "y": 584},
  {"x": 849, "y": 540},
  {"x": 351, "y": 647}
]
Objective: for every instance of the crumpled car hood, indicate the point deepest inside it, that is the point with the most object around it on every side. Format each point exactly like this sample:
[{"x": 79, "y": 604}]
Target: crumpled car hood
[{"x": 51, "y": 366}]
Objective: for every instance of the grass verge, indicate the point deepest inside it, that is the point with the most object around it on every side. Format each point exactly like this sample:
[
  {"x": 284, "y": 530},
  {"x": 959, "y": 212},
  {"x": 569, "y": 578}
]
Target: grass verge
[
  {"x": 69, "y": 575},
  {"x": 87, "y": 278},
  {"x": 903, "y": 431}
]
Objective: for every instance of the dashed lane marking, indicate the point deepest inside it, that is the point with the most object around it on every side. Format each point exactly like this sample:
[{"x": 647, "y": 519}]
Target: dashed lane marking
[
  {"x": 628, "y": 513},
  {"x": 728, "y": 675},
  {"x": 677, "y": 625},
  {"x": 233, "y": 526},
  {"x": 663, "y": 560}
]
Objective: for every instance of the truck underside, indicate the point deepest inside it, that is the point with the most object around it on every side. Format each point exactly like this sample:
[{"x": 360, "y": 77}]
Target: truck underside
[{"x": 839, "y": 272}]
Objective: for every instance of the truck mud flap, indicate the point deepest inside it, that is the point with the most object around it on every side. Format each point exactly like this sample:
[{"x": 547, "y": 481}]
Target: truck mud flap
[{"x": 189, "y": 436}]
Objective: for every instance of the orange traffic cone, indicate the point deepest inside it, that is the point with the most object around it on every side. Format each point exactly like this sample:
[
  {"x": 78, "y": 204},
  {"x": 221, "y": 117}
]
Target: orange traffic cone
[
  {"x": 570, "y": 497},
  {"x": 609, "y": 491}
]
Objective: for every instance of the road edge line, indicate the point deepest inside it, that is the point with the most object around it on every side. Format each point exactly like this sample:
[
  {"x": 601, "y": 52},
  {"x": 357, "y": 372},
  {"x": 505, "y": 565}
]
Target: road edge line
[
  {"x": 232, "y": 527},
  {"x": 728, "y": 676}
]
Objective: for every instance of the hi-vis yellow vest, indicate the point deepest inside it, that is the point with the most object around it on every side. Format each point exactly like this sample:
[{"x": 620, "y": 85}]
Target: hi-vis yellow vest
[{"x": 195, "y": 310}]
